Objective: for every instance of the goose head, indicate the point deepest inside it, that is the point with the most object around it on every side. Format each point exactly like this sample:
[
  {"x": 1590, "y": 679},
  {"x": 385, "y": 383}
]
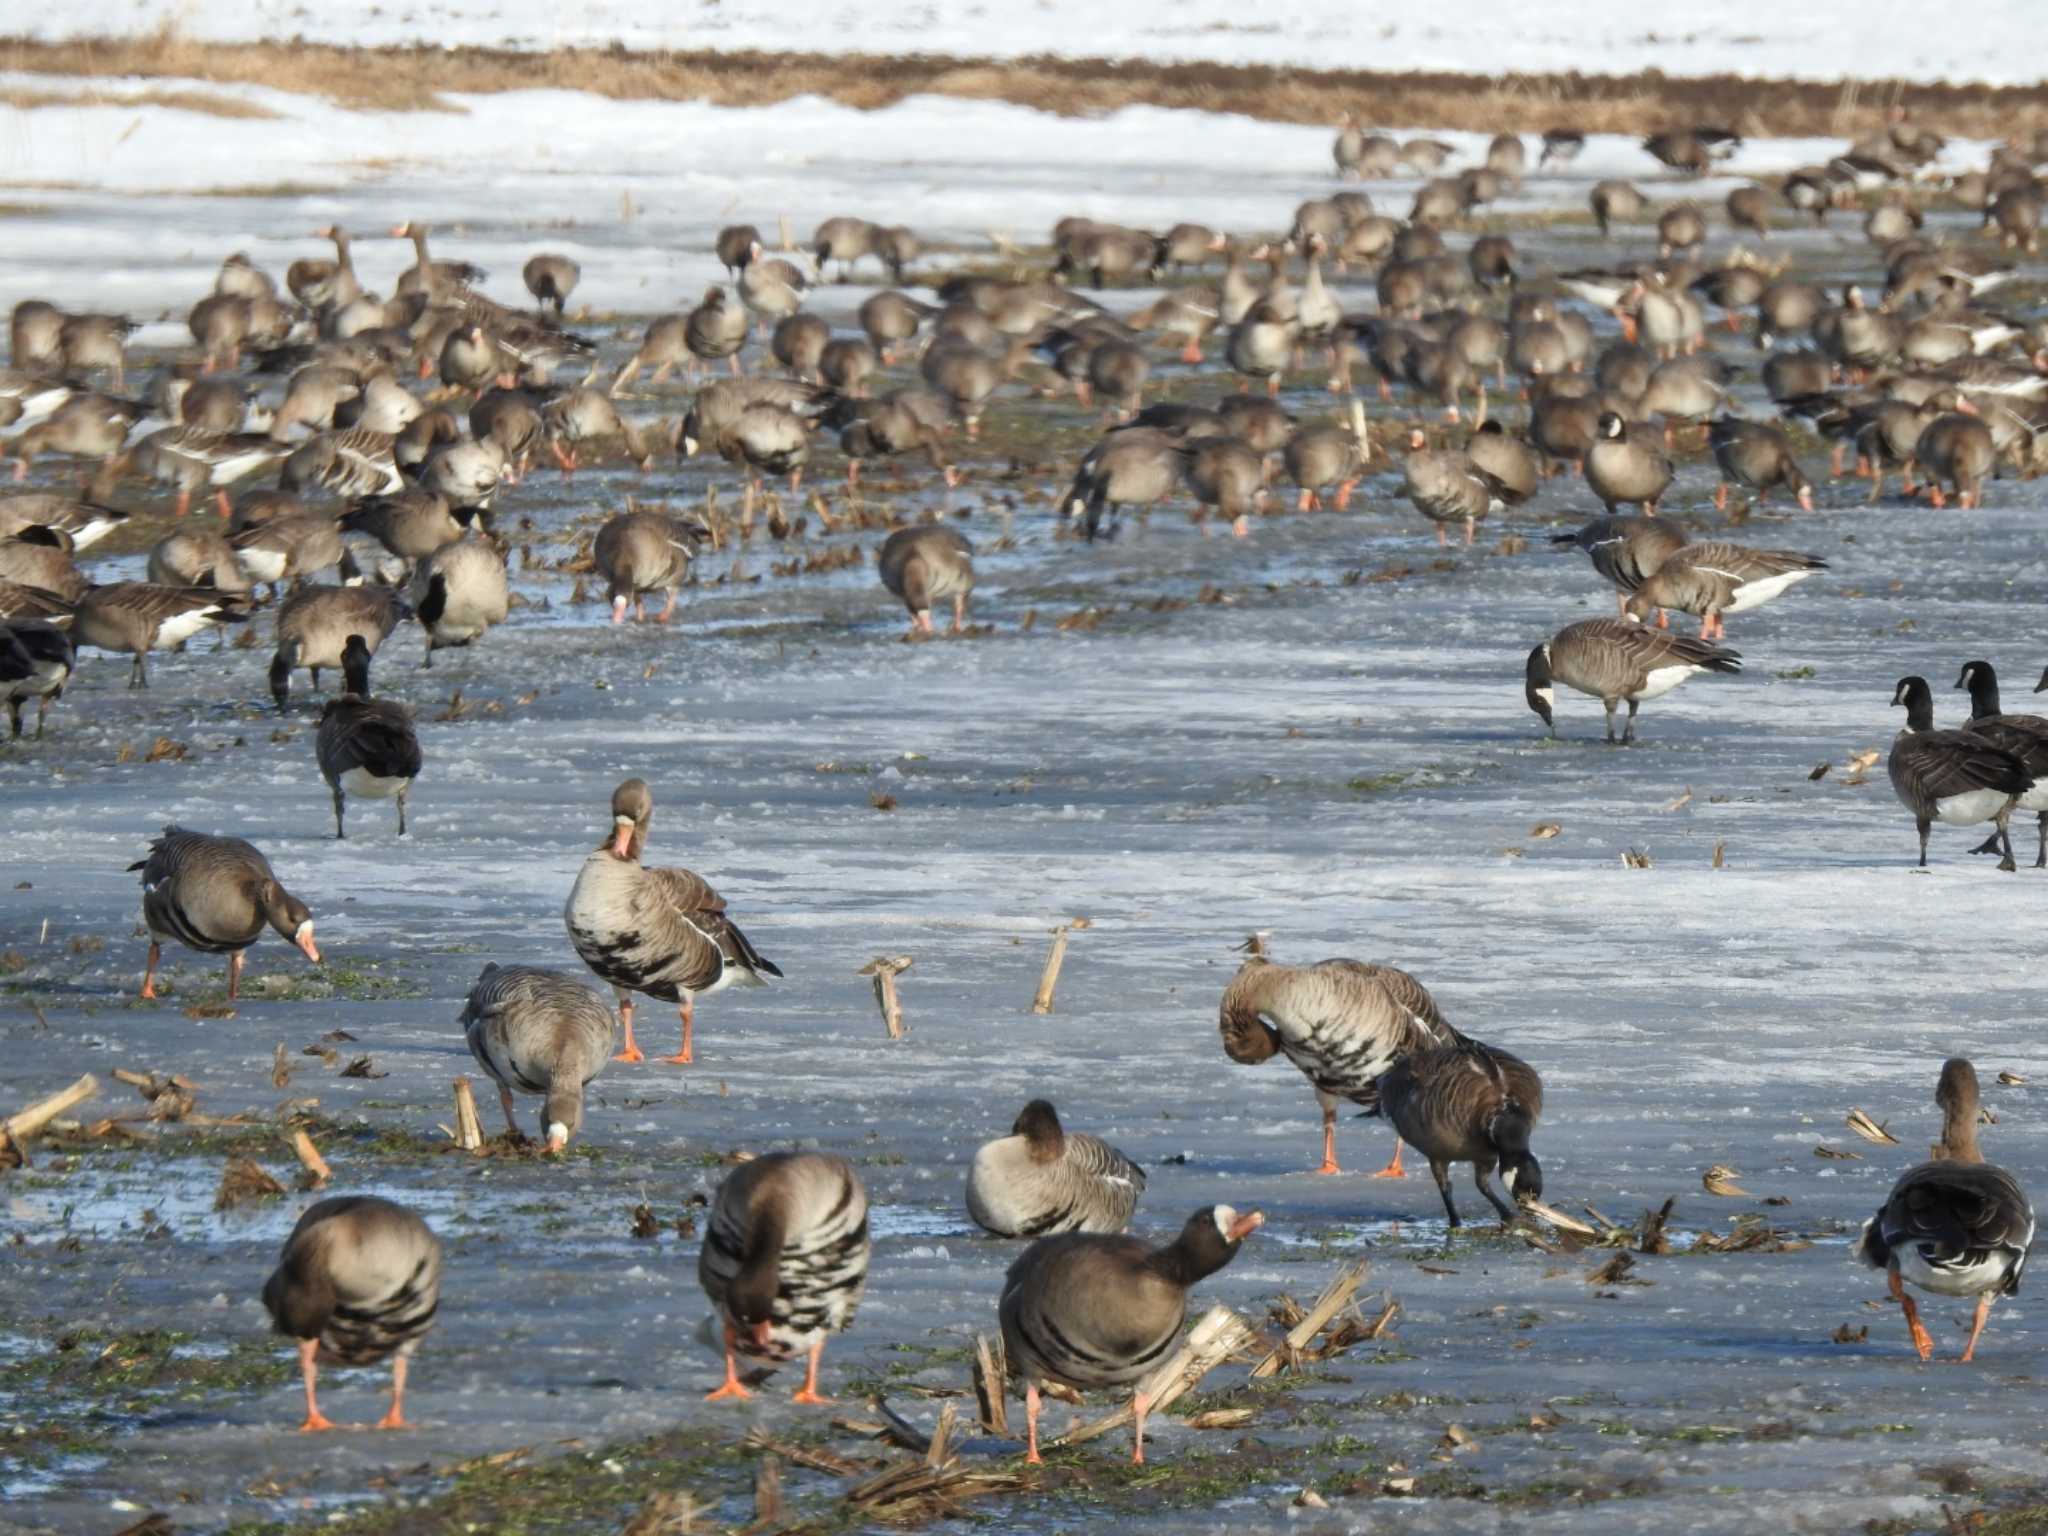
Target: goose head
[{"x": 1537, "y": 688}]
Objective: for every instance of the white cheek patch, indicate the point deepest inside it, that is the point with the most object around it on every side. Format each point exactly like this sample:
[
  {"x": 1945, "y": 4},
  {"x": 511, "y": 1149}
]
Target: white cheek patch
[
  {"x": 303, "y": 934},
  {"x": 1548, "y": 696},
  {"x": 1225, "y": 1218},
  {"x": 558, "y": 1132}
]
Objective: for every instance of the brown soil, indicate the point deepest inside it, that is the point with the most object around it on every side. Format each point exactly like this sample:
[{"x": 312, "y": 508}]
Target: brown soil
[{"x": 423, "y": 78}]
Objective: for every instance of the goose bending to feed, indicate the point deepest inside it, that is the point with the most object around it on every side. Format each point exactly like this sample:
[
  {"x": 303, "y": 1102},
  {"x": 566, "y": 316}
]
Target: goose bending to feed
[
  {"x": 1614, "y": 660},
  {"x": 1133, "y": 466},
  {"x": 36, "y": 661},
  {"x": 784, "y": 1261},
  {"x": 541, "y": 1032},
  {"x": 1469, "y": 1103},
  {"x": 315, "y": 625},
  {"x": 663, "y": 932},
  {"x": 1342, "y": 1022},
  {"x": 1953, "y": 776},
  {"x": 366, "y": 746},
  {"x": 459, "y": 592},
  {"x": 2025, "y": 736},
  {"x": 1041, "y": 1179},
  {"x": 1087, "y": 1311},
  {"x": 138, "y": 616},
  {"x": 922, "y": 566},
  {"x": 1714, "y": 578},
  {"x": 358, "y": 1283},
  {"x": 551, "y": 279},
  {"x": 1627, "y": 551},
  {"x": 1955, "y": 1225},
  {"x": 215, "y": 895},
  {"x": 642, "y": 552},
  {"x": 1756, "y": 457}
]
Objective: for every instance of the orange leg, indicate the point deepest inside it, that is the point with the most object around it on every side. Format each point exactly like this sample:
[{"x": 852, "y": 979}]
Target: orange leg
[
  {"x": 1921, "y": 1341},
  {"x": 1138, "y": 1407},
  {"x": 234, "y": 975},
  {"x": 1329, "y": 1142},
  {"x": 156, "y": 953},
  {"x": 227, "y": 508},
  {"x": 395, "y": 1417},
  {"x": 1031, "y": 1426},
  {"x": 315, "y": 1419},
  {"x": 808, "y": 1392},
  {"x": 683, "y": 1057},
  {"x": 632, "y": 1052},
  {"x": 1976, "y": 1328},
  {"x": 1393, "y": 1170},
  {"x": 730, "y": 1387},
  {"x": 1721, "y": 497},
  {"x": 184, "y": 502},
  {"x": 1192, "y": 352}
]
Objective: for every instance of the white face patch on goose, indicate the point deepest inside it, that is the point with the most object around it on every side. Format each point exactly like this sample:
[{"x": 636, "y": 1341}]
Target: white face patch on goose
[
  {"x": 303, "y": 934},
  {"x": 1225, "y": 1218}
]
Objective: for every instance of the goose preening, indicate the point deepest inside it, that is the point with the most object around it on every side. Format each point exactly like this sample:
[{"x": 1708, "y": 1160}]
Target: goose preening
[
  {"x": 1042, "y": 1179},
  {"x": 1342, "y": 1022},
  {"x": 215, "y": 895},
  {"x": 36, "y": 661},
  {"x": 1715, "y": 578},
  {"x": 921, "y": 566},
  {"x": 1953, "y": 776},
  {"x": 543, "y": 1033},
  {"x": 2025, "y": 736},
  {"x": 1089, "y": 1311},
  {"x": 366, "y": 746},
  {"x": 1614, "y": 660},
  {"x": 1469, "y": 1103},
  {"x": 663, "y": 932},
  {"x": 358, "y": 1283},
  {"x": 784, "y": 1261},
  {"x": 1955, "y": 1225},
  {"x": 1627, "y": 551}
]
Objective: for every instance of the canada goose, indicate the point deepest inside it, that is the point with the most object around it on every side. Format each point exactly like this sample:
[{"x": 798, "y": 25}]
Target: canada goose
[
  {"x": 1509, "y": 464},
  {"x": 898, "y": 246},
  {"x": 929, "y": 564},
  {"x": 442, "y": 282},
  {"x": 1956, "y": 447},
  {"x": 541, "y": 1032},
  {"x": 2025, "y": 736},
  {"x": 1626, "y": 550},
  {"x": 1228, "y": 474},
  {"x": 1756, "y": 457},
  {"x": 1342, "y": 1022},
  {"x": 1714, "y": 578},
  {"x": 1325, "y": 455},
  {"x": 715, "y": 329},
  {"x": 551, "y": 279},
  {"x": 1622, "y": 469},
  {"x": 138, "y": 616},
  {"x": 1132, "y": 467},
  {"x": 40, "y": 556},
  {"x": 1953, "y": 776},
  {"x": 642, "y": 552},
  {"x": 366, "y": 746},
  {"x": 1445, "y": 486},
  {"x": 1088, "y": 1311},
  {"x": 411, "y": 524},
  {"x": 18, "y": 601},
  {"x": 784, "y": 1261},
  {"x": 458, "y": 592},
  {"x": 1561, "y": 146},
  {"x": 314, "y": 625},
  {"x": 358, "y": 1282},
  {"x": 1613, "y": 660},
  {"x": 663, "y": 932},
  {"x": 735, "y": 246},
  {"x": 844, "y": 241},
  {"x": 1042, "y": 1179},
  {"x": 1470, "y": 1103},
  {"x": 1956, "y": 1225},
  {"x": 215, "y": 895},
  {"x": 36, "y": 661},
  {"x": 291, "y": 547}
]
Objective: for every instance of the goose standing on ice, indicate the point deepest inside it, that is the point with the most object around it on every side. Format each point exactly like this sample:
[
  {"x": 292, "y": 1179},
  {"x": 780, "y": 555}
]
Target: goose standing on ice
[
  {"x": 1953, "y": 776},
  {"x": 215, "y": 895},
  {"x": 2025, "y": 736},
  {"x": 1469, "y": 1103},
  {"x": 1627, "y": 551},
  {"x": 1955, "y": 1225},
  {"x": 1715, "y": 578},
  {"x": 541, "y": 1032},
  {"x": 921, "y": 566},
  {"x": 1042, "y": 1178},
  {"x": 1614, "y": 660},
  {"x": 663, "y": 932},
  {"x": 366, "y": 746},
  {"x": 1342, "y": 1022}
]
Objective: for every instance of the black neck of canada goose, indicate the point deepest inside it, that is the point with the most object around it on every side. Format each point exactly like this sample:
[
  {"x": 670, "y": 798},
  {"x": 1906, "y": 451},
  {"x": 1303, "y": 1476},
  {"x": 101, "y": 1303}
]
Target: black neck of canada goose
[
  {"x": 1208, "y": 1241},
  {"x": 1958, "y": 1097},
  {"x": 1537, "y": 687},
  {"x": 355, "y": 665},
  {"x": 1918, "y": 698},
  {"x": 1982, "y": 681},
  {"x": 1039, "y": 1125}
]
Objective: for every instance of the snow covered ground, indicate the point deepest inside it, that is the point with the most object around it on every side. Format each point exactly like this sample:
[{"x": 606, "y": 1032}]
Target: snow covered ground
[
  {"x": 1824, "y": 40},
  {"x": 1348, "y": 764}
]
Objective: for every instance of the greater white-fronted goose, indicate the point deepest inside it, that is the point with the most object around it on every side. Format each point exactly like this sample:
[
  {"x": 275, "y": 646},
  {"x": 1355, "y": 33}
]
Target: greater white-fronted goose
[
  {"x": 40, "y": 556},
  {"x": 325, "y": 285},
  {"x": 411, "y": 524},
  {"x": 890, "y": 318},
  {"x": 34, "y": 332},
  {"x": 190, "y": 458},
  {"x": 764, "y": 437},
  {"x": 541, "y": 1032},
  {"x": 442, "y": 282},
  {"x": 1469, "y": 1103},
  {"x": 1626, "y": 550},
  {"x": 85, "y": 426},
  {"x": 466, "y": 473},
  {"x": 1756, "y": 457},
  {"x": 1715, "y": 578},
  {"x": 1342, "y": 1022},
  {"x": 314, "y": 625},
  {"x": 665, "y": 346},
  {"x": 1614, "y": 660},
  {"x": 1325, "y": 455},
  {"x": 642, "y": 552},
  {"x": 36, "y": 661},
  {"x": 551, "y": 278},
  {"x": 902, "y": 421},
  {"x": 715, "y": 329},
  {"x": 1262, "y": 344},
  {"x": 366, "y": 746},
  {"x": 290, "y": 548},
  {"x": 1750, "y": 208},
  {"x": 220, "y": 323},
  {"x": 1954, "y": 776},
  {"x": 1089, "y": 1311},
  {"x": 1132, "y": 467},
  {"x": 86, "y": 342},
  {"x": 663, "y": 932},
  {"x": 1116, "y": 373},
  {"x": 1446, "y": 486},
  {"x": 846, "y": 365},
  {"x": 138, "y": 616},
  {"x": 28, "y": 397},
  {"x": 351, "y": 463},
  {"x": 1042, "y": 1179},
  {"x": 2025, "y": 736},
  {"x": 898, "y": 246},
  {"x": 1858, "y": 337},
  {"x": 734, "y": 245},
  {"x": 922, "y": 566},
  {"x": 965, "y": 377},
  {"x": 799, "y": 342},
  {"x": 784, "y": 1261},
  {"x": 197, "y": 557},
  {"x": 842, "y": 240},
  {"x": 1680, "y": 227},
  {"x": 1955, "y": 447},
  {"x": 1425, "y": 156},
  {"x": 458, "y": 592},
  {"x": 358, "y": 1283},
  {"x": 1955, "y": 1225},
  {"x": 1508, "y": 463},
  {"x": 1349, "y": 149},
  {"x": 1226, "y": 473},
  {"x": 215, "y": 895},
  {"x": 1785, "y": 308},
  {"x": 586, "y": 415},
  {"x": 1622, "y": 469},
  {"x": 771, "y": 288}
]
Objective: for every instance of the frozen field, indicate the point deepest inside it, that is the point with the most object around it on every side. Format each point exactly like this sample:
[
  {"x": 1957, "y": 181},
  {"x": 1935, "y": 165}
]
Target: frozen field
[{"x": 1318, "y": 732}]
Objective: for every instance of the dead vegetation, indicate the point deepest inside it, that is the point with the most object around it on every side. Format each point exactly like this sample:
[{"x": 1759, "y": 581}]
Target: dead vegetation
[{"x": 424, "y": 79}]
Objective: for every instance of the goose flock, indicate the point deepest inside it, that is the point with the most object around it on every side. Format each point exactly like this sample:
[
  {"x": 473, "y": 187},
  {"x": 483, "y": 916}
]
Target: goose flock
[{"x": 399, "y": 432}]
